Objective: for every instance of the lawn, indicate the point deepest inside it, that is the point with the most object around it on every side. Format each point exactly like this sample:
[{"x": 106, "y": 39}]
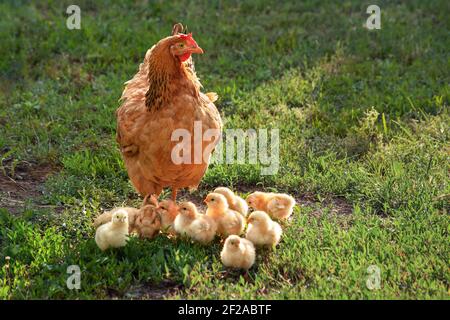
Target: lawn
[{"x": 364, "y": 147}]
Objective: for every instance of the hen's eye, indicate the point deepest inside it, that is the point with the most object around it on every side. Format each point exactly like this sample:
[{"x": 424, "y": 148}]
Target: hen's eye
[{"x": 181, "y": 45}]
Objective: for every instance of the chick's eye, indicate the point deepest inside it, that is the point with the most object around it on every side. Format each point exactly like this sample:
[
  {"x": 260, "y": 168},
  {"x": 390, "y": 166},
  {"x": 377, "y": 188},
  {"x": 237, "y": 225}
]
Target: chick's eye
[{"x": 212, "y": 199}]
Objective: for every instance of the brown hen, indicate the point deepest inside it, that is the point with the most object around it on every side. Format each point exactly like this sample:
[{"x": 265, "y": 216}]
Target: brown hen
[{"x": 164, "y": 96}]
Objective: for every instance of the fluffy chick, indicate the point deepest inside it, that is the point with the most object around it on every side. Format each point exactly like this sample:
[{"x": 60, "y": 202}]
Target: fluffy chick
[
  {"x": 113, "y": 234},
  {"x": 168, "y": 211},
  {"x": 238, "y": 253},
  {"x": 147, "y": 223},
  {"x": 262, "y": 231},
  {"x": 235, "y": 202},
  {"x": 277, "y": 205},
  {"x": 191, "y": 223},
  {"x": 107, "y": 216},
  {"x": 228, "y": 221}
]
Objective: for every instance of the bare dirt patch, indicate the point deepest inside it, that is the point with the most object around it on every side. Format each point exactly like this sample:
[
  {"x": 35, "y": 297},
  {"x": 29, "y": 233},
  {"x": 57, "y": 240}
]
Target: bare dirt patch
[
  {"x": 25, "y": 185},
  {"x": 148, "y": 291}
]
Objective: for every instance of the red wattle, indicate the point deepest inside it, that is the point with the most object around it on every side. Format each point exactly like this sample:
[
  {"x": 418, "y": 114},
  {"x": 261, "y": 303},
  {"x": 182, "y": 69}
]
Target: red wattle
[{"x": 185, "y": 56}]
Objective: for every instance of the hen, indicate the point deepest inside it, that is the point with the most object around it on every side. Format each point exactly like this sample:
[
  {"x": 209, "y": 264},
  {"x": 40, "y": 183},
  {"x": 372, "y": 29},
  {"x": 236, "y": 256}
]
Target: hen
[{"x": 164, "y": 96}]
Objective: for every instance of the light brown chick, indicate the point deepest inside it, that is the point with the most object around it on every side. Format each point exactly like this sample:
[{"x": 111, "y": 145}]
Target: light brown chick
[
  {"x": 228, "y": 221},
  {"x": 262, "y": 231},
  {"x": 277, "y": 205},
  {"x": 235, "y": 202},
  {"x": 168, "y": 211},
  {"x": 147, "y": 223},
  {"x": 191, "y": 223},
  {"x": 238, "y": 253}
]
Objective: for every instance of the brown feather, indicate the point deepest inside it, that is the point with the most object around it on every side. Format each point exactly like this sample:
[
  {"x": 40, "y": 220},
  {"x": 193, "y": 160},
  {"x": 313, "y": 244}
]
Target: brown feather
[{"x": 163, "y": 96}]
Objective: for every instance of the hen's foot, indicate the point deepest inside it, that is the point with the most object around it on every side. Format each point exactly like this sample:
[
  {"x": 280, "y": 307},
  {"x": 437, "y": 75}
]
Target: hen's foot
[{"x": 150, "y": 199}]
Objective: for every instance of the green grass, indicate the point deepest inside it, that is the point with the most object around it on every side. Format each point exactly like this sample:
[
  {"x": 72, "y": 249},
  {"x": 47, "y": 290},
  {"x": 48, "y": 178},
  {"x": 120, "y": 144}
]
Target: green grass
[{"x": 363, "y": 119}]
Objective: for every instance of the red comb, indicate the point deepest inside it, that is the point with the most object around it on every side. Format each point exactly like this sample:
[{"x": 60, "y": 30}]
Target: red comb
[{"x": 188, "y": 38}]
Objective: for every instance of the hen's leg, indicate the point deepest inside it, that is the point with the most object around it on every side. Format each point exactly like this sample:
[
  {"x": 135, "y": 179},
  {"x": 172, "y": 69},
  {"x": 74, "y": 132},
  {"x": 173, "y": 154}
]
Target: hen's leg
[
  {"x": 174, "y": 194},
  {"x": 150, "y": 199}
]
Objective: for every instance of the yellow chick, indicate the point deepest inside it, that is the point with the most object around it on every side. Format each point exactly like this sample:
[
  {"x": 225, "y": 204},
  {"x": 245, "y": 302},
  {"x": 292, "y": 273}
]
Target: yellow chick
[
  {"x": 168, "y": 211},
  {"x": 228, "y": 221},
  {"x": 262, "y": 231},
  {"x": 238, "y": 253},
  {"x": 147, "y": 223},
  {"x": 193, "y": 224},
  {"x": 235, "y": 202},
  {"x": 113, "y": 234},
  {"x": 277, "y": 205},
  {"x": 107, "y": 216}
]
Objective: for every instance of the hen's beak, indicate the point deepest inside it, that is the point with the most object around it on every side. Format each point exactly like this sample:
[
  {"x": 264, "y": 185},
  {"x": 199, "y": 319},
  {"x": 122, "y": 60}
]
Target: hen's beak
[{"x": 196, "y": 50}]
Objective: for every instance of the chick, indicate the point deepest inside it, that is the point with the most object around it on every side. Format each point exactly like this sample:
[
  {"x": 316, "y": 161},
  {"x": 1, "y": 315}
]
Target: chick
[
  {"x": 191, "y": 223},
  {"x": 113, "y": 234},
  {"x": 107, "y": 216},
  {"x": 228, "y": 221},
  {"x": 235, "y": 202},
  {"x": 238, "y": 253},
  {"x": 277, "y": 205},
  {"x": 168, "y": 211},
  {"x": 147, "y": 223},
  {"x": 262, "y": 231}
]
